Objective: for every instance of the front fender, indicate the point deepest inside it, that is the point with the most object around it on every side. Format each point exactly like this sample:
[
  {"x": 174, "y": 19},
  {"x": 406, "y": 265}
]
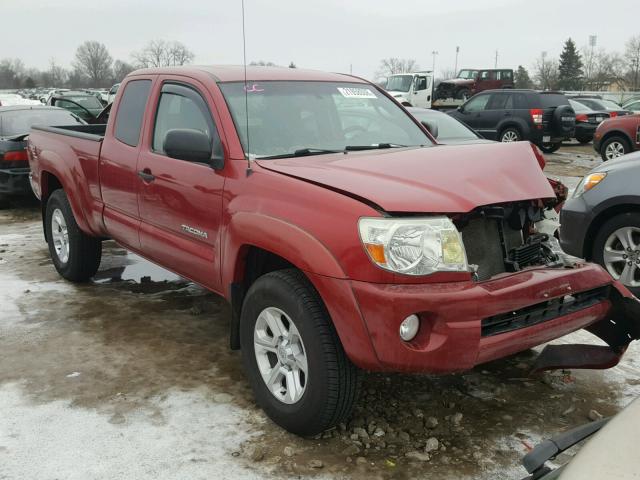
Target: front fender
[{"x": 277, "y": 236}]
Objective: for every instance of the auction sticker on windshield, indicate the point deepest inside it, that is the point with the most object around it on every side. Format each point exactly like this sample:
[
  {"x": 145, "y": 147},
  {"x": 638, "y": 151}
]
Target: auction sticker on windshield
[{"x": 356, "y": 92}]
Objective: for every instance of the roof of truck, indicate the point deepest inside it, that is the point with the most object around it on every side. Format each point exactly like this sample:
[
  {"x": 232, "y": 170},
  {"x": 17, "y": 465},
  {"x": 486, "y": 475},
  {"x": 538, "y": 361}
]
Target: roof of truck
[{"x": 235, "y": 73}]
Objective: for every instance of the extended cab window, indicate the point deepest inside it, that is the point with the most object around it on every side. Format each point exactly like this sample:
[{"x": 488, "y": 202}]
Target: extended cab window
[
  {"x": 131, "y": 111},
  {"x": 181, "y": 107}
]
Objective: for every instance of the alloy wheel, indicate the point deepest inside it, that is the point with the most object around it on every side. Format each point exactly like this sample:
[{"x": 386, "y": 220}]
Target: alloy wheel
[
  {"x": 614, "y": 150},
  {"x": 622, "y": 255},
  {"x": 60, "y": 235},
  {"x": 510, "y": 136},
  {"x": 280, "y": 355}
]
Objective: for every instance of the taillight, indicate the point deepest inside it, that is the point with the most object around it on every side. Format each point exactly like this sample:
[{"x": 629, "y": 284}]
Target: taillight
[
  {"x": 16, "y": 156},
  {"x": 614, "y": 114},
  {"x": 536, "y": 115},
  {"x": 582, "y": 117}
]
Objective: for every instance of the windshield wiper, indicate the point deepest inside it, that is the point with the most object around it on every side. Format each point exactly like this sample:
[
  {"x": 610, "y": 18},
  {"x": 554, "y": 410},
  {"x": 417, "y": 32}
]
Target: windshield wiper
[
  {"x": 353, "y": 148},
  {"x": 302, "y": 152}
]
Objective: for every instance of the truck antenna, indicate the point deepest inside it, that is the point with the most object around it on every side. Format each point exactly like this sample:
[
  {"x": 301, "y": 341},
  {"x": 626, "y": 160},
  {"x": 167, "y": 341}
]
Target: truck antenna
[{"x": 246, "y": 98}]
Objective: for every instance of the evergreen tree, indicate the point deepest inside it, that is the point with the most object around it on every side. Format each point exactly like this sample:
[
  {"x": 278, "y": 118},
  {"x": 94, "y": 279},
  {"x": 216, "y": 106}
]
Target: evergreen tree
[
  {"x": 522, "y": 78},
  {"x": 570, "y": 74}
]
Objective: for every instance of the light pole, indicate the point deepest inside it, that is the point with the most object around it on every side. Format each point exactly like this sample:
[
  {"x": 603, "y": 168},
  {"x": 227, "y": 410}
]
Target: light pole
[
  {"x": 593, "y": 40},
  {"x": 455, "y": 69},
  {"x": 496, "y": 64},
  {"x": 433, "y": 66}
]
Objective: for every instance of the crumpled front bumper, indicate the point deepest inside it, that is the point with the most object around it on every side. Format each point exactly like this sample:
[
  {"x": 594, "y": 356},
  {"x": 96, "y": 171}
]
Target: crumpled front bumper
[{"x": 464, "y": 324}]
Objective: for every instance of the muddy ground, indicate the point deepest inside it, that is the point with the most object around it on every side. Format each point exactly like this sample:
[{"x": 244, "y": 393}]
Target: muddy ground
[{"x": 130, "y": 376}]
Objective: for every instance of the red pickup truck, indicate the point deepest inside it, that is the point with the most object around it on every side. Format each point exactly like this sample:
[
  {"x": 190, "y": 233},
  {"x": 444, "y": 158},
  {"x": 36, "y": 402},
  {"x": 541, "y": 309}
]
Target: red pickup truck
[{"x": 343, "y": 236}]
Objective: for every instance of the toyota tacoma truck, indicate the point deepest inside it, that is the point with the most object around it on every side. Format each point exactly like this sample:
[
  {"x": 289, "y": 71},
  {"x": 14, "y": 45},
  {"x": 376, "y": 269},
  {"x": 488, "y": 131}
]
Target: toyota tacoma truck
[{"x": 343, "y": 236}]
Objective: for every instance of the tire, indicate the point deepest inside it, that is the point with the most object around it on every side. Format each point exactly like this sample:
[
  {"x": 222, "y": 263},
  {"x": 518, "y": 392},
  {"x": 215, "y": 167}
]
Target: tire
[
  {"x": 584, "y": 139},
  {"x": 563, "y": 128},
  {"x": 79, "y": 261},
  {"x": 4, "y": 202},
  {"x": 510, "y": 134},
  {"x": 614, "y": 147},
  {"x": 606, "y": 239},
  {"x": 463, "y": 94},
  {"x": 331, "y": 383},
  {"x": 550, "y": 147}
]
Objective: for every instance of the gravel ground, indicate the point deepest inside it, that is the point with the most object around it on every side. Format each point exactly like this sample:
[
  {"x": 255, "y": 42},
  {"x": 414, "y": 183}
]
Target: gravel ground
[{"x": 130, "y": 377}]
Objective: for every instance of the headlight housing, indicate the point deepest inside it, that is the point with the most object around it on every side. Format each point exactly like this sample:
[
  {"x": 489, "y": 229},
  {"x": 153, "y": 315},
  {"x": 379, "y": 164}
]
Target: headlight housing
[
  {"x": 414, "y": 246},
  {"x": 588, "y": 182}
]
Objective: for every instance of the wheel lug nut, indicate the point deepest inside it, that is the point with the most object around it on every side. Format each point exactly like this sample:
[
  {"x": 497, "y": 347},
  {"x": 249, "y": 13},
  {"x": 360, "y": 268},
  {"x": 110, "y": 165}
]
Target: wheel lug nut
[
  {"x": 624, "y": 255},
  {"x": 630, "y": 263}
]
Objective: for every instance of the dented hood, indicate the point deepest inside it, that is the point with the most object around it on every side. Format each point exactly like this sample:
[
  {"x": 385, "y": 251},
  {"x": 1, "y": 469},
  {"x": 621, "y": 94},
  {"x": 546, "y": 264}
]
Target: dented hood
[{"x": 439, "y": 179}]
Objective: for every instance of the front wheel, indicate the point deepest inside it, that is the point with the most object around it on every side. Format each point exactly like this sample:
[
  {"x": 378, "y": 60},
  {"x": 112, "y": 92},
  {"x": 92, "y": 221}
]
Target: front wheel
[
  {"x": 463, "y": 94},
  {"x": 550, "y": 147},
  {"x": 614, "y": 147},
  {"x": 617, "y": 248},
  {"x": 75, "y": 254},
  {"x": 293, "y": 358}
]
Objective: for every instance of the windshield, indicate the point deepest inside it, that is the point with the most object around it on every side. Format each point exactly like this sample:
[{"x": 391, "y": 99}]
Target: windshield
[
  {"x": 579, "y": 107},
  {"x": 448, "y": 127},
  {"x": 610, "y": 105},
  {"x": 399, "y": 83},
  {"x": 468, "y": 74},
  {"x": 285, "y": 116},
  {"x": 89, "y": 102},
  {"x": 19, "y": 122}
]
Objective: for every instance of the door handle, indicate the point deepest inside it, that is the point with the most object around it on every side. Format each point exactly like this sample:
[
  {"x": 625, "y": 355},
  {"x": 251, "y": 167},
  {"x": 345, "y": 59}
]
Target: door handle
[{"x": 146, "y": 175}]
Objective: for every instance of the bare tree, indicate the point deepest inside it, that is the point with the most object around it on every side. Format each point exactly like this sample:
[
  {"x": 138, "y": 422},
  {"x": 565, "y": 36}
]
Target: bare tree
[
  {"x": 393, "y": 65},
  {"x": 159, "y": 53},
  {"x": 121, "y": 69},
  {"x": 57, "y": 75},
  {"x": 11, "y": 73},
  {"x": 632, "y": 59},
  {"x": 93, "y": 61},
  {"x": 546, "y": 72},
  {"x": 262, "y": 63},
  {"x": 445, "y": 74}
]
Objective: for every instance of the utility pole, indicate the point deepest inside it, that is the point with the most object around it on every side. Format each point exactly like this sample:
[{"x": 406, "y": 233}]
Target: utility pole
[
  {"x": 433, "y": 67},
  {"x": 351, "y": 69},
  {"x": 455, "y": 69},
  {"x": 496, "y": 64},
  {"x": 593, "y": 40}
]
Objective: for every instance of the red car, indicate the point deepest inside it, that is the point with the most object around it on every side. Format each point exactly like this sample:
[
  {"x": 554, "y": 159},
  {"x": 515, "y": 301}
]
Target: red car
[
  {"x": 617, "y": 136},
  {"x": 344, "y": 238}
]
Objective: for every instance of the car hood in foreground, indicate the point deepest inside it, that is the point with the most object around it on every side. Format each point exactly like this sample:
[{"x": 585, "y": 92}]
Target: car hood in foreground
[
  {"x": 612, "y": 452},
  {"x": 440, "y": 179}
]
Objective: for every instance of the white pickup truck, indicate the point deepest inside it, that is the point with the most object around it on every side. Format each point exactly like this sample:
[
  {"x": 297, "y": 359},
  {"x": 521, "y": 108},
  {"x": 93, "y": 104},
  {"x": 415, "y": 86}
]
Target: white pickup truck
[{"x": 416, "y": 90}]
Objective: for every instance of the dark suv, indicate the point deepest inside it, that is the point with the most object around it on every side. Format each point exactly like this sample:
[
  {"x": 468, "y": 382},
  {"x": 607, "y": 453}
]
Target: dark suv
[{"x": 543, "y": 118}]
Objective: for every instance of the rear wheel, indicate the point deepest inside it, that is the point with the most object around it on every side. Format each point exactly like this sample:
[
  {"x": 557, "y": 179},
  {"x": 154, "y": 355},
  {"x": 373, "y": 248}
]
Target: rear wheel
[
  {"x": 293, "y": 358},
  {"x": 510, "y": 134},
  {"x": 617, "y": 248},
  {"x": 75, "y": 254},
  {"x": 550, "y": 147},
  {"x": 614, "y": 147}
]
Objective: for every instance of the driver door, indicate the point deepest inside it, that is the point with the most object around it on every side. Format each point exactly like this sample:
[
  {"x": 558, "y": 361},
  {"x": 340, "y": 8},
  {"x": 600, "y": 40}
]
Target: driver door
[
  {"x": 422, "y": 92},
  {"x": 181, "y": 201}
]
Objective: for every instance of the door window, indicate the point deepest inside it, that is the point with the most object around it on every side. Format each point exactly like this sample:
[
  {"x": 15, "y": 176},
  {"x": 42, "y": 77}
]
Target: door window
[
  {"x": 181, "y": 107},
  {"x": 421, "y": 83},
  {"x": 476, "y": 104},
  {"x": 131, "y": 111},
  {"x": 500, "y": 101}
]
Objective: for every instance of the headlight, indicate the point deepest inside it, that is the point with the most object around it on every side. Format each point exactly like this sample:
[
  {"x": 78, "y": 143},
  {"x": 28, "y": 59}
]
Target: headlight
[
  {"x": 414, "y": 246},
  {"x": 588, "y": 182}
]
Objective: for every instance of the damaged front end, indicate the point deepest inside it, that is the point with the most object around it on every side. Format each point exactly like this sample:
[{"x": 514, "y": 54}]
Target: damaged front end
[{"x": 502, "y": 239}]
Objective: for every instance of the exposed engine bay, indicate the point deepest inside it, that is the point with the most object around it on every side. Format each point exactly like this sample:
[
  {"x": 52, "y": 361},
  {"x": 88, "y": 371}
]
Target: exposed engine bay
[{"x": 503, "y": 238}]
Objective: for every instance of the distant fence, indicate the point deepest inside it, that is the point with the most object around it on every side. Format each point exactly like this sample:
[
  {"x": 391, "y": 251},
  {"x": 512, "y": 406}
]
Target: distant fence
[{"x": 618, "y": 97}]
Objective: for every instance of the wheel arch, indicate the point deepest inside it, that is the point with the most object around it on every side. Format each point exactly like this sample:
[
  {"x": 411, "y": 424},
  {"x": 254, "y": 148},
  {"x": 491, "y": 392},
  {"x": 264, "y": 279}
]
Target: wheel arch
[
  {"x": 513, "y": 123},
  {"x": 257, "y": 244},
  {"x": 617, "y": 133}
]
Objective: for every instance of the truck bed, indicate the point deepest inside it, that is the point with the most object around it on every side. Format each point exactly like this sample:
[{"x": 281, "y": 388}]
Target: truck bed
[{"x": 87, "y": 132}]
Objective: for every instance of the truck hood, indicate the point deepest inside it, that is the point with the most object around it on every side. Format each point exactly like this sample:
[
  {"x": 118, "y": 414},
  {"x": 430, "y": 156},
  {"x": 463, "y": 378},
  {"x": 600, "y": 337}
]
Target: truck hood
[{"x": 439, "y": 179}]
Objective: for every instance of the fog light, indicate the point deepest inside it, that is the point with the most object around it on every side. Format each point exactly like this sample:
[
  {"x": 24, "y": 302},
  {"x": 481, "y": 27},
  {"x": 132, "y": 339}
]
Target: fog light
[{"x": 409, "y": 327}]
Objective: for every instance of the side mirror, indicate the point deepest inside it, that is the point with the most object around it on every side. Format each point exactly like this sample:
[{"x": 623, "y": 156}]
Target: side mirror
[
  {"x": 187, "y": 144},
  {"x": 460, "y": 109},
  {"x": 432, "y": 127}
]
